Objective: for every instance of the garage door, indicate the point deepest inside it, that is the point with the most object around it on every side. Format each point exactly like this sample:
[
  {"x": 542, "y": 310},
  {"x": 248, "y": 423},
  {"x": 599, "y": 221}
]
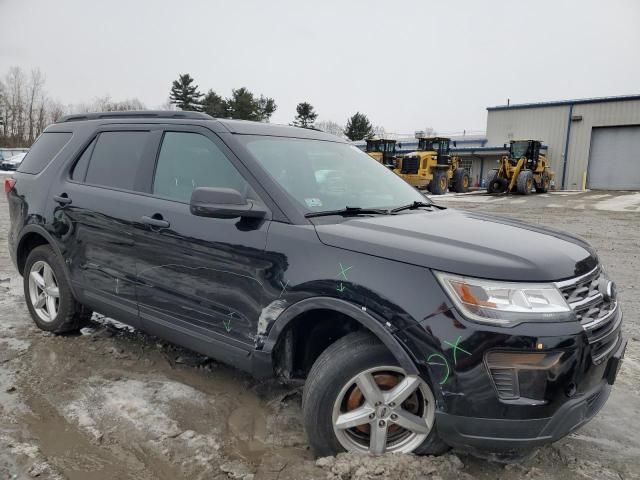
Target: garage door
[{"x": 614, "y": 161}]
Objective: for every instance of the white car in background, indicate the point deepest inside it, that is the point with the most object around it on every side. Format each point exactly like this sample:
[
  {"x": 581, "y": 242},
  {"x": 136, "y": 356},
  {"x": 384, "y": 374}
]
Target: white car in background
[{"x": 13, "y": 162}]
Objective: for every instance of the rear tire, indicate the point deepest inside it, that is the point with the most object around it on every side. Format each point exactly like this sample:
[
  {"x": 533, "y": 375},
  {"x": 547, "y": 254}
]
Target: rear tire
[
  {"x": 439, "y": 183},
  {"x": 48, "y": 295},
  {"x": 332, "y": 389},
  {"x": 460, "y": 180},
  {"x": 525, "y": 182}
]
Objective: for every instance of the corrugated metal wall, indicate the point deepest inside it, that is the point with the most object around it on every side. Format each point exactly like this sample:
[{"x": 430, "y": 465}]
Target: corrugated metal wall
[
  {"x": 549, "y": 124},
  {"x": 606, "y": 114}
]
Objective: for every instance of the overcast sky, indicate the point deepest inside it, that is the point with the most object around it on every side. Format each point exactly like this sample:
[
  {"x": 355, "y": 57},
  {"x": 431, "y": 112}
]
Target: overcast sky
[{"x": 406, "y": 64}]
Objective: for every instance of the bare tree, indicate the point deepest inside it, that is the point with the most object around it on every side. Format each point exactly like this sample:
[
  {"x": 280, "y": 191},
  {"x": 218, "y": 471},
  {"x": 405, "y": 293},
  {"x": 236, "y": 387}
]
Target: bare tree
[
  {"x": 55, "y": 111},
  {"x": 379, "y": 131},
  {"x": 26, "y": 110},
  {"x": 15, "y": 103},
  {"x": 331, "y": 127},
  {"x": 34, "y": 101}
]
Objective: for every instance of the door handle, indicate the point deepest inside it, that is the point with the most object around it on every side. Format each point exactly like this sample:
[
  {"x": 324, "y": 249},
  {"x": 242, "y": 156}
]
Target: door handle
[
  {"x": 62, "y": 199},
  {"x": 155, "y": 221}
]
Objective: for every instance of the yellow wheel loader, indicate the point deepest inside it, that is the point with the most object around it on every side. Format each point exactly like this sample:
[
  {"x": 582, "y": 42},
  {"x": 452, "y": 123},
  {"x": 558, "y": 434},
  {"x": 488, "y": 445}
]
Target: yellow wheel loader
[
  {"x": 432, "y": 167},
  {"x": 522, "y": 170},
  {"x": 383, "y": 150}
]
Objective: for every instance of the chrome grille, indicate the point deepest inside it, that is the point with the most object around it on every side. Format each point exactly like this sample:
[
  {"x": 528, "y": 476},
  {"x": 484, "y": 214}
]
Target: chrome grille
[{"x": 596, "y": 313}]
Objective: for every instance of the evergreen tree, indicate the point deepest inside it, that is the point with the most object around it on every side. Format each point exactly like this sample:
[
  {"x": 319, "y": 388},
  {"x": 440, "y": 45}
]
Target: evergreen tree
[
  {"x": 185, "y": 95},
  {"x": 214, "y": 105},
  {"x": 243, "y": 105},
  {"x": 306, "y": 115},
  {"x": 358, "y": 127}
]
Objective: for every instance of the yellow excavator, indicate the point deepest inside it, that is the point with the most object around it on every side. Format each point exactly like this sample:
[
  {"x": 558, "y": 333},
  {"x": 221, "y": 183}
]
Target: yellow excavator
[
  {"x": 382, "y": 150},
  {"x": 522, "y": 170},
  {"x": 432, "y": 167}
]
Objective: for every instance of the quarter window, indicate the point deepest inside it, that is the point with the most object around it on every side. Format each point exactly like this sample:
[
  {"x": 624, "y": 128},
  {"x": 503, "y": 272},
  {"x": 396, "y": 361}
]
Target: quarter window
[
  {"x": 190, "y": 160},
  {"x": 117, "y": 159},
  {"x": 42, "y": 152},
  {"x": 80, "y": 169}
]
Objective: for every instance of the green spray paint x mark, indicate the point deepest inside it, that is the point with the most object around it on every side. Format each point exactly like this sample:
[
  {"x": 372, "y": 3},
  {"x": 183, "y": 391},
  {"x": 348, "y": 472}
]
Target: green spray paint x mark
[
  {"x": 343, "y": 271},
  {"x": 456, "y": 346}
]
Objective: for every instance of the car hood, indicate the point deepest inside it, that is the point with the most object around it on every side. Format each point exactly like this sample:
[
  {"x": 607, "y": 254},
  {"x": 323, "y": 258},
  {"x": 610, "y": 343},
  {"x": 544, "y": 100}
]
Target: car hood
[{"x": 465, "y": 243}]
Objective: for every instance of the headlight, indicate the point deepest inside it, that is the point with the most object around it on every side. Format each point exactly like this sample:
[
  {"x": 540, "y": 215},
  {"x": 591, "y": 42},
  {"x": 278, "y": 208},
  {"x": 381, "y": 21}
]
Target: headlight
[{"x": 505, "y": 303}]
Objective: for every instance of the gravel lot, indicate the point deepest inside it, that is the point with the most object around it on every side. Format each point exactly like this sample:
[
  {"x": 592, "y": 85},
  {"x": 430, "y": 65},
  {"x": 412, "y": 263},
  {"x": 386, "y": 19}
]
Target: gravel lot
[{"x": 114, "y": 403}]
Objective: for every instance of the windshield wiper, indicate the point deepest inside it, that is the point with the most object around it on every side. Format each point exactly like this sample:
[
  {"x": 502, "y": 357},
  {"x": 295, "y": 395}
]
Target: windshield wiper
[
  {"x": 348, "y": 211},
  {"x": 412, "y": 206}
]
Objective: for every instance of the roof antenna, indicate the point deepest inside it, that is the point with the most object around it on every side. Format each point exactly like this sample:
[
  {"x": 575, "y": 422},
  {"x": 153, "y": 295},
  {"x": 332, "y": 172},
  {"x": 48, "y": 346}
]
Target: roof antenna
[{"x": 508, "y": 101}]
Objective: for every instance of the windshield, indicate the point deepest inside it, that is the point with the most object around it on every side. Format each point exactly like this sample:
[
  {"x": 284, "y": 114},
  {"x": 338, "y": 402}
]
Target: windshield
[
  {"x": 519, "y": 149},
  {"x": 322, "y": 176},
  {"x": 428, "y": 145}
]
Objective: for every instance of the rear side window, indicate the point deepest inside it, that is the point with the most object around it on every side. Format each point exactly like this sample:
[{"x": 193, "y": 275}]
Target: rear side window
[
  {"x": 116, "y": 159},
  {"x": 42, "y": 152}
]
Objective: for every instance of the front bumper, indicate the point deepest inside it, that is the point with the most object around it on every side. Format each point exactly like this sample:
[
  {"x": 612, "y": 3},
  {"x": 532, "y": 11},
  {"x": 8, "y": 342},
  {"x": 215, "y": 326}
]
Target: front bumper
[
  {"x": 479, "y": 409},
  {"x": 497, "y": 434},
  {"x": 502, "y": 435}
]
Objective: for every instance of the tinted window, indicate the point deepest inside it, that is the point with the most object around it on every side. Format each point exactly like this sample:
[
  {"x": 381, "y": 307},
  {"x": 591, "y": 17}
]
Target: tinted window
[
  {"x": 80, "y": 169},
  {"x": 189, "y": 160},
  {"x": 116, "y": 159},
  {"x": 42, "y": 152}
]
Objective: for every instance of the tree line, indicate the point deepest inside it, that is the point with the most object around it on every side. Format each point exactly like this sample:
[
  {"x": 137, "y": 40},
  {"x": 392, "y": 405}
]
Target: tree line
[
  {"x": 26, "y": 108},
  {"x": 244, "y": 105}
]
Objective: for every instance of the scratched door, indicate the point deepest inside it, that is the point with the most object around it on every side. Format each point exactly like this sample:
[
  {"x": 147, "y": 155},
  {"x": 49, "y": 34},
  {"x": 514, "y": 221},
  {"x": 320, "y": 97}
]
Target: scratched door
[{"x": 201, "y": 274}]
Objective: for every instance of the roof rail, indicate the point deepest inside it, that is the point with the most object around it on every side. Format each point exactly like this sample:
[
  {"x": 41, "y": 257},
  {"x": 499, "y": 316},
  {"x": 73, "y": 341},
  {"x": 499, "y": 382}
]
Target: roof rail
[{"x": 135, "y": 114}]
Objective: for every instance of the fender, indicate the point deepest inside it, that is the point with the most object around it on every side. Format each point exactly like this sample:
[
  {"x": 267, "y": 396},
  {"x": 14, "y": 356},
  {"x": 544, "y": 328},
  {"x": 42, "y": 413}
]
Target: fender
[
  {"x": 40, "y": 230},
  {"x": 372, "y": 323}
]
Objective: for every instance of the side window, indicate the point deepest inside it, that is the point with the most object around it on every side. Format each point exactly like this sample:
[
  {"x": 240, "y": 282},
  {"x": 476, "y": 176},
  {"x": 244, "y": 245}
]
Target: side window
[
  {"x": 47, "y": 146},
  {"x": 190, "y": 160},
  {"x": 80, "y": 169},
  {"x": 116, "y": 159}
]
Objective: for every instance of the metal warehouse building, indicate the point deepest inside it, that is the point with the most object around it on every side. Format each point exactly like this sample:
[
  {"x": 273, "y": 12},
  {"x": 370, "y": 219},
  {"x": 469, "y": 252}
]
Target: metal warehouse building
[{"x": 592, "y": 142}]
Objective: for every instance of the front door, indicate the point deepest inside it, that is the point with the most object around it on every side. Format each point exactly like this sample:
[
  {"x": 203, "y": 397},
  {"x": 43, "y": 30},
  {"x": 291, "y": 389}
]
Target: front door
[{"x": 199, "y": 277}]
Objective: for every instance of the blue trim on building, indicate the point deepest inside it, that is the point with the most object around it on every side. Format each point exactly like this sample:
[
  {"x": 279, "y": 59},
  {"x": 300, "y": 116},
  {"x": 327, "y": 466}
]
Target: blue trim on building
[
  {"x": 622, "y": 98},
  {"x": 566, "y": 148}
]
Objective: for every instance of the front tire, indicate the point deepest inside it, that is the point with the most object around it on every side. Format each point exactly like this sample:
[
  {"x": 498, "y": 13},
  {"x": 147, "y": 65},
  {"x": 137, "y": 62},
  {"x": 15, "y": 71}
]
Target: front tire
[
  {"x": 461, "y": 180},
  {"x": 545, "y": 181},
  {"x": 439, "y": 183},
  {"x": 47, "y": 293},
  {"x": 358, "y": 399},
  {"x": 525, "y": 182}
]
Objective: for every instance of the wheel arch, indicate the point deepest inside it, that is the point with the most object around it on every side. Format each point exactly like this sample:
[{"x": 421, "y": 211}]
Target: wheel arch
[
  {"x": 33, "y": 236},
  {"x": 366, "y": 320}
]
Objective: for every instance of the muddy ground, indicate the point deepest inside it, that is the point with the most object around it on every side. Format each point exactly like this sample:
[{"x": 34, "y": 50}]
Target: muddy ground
[{"x": 117, "y": 404}]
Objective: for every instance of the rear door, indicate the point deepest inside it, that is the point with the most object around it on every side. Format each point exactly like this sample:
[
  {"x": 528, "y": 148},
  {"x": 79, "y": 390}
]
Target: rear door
[
  {"x": 200, "y": 280},
  {"x": 94, "y": 214}
]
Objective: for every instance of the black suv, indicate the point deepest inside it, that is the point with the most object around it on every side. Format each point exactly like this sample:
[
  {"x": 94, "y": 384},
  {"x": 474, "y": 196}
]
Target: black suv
[{"x": 289, "y": 252}]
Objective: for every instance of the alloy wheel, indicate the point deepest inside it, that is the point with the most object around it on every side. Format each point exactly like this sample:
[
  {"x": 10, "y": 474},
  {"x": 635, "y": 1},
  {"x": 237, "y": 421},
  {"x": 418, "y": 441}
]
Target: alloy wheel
[
  {"x": 383, "y": 410},
  {"x": 44, "y": 293}
]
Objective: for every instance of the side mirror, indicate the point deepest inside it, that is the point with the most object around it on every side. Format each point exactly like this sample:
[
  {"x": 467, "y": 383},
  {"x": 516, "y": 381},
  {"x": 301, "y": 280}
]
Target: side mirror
[
  {"x": 223, "y": 203},
  {"x": 505, "y": 146},
  {"x": 455, "y": 144}
]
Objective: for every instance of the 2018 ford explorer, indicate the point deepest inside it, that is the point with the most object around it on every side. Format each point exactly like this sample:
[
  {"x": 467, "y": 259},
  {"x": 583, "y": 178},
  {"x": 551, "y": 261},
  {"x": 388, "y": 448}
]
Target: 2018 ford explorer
[{"x": 289, "y": 252}]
